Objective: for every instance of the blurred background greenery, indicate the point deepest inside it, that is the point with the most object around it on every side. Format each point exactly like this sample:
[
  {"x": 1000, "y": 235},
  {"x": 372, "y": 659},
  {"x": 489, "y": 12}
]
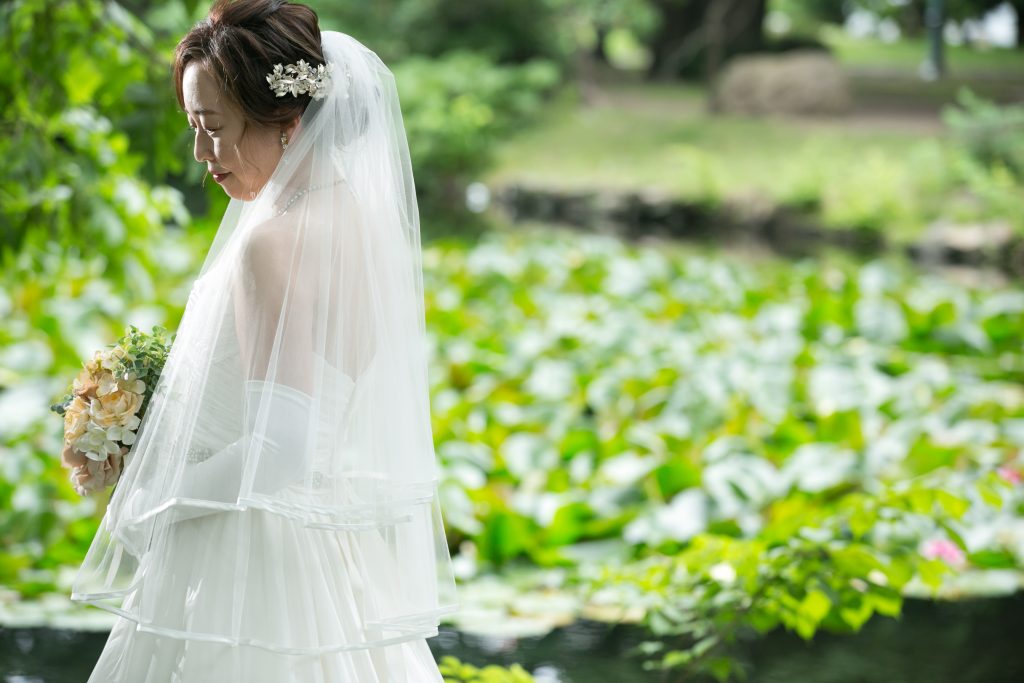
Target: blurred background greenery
[{"x": 752, "y": 390}]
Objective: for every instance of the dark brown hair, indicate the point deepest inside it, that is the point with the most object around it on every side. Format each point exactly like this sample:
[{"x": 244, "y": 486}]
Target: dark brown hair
[{"x": 239, "y": 41}]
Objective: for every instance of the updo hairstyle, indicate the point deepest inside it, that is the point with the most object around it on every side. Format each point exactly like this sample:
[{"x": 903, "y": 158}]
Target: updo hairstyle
[{"x": 240, "y": 42}]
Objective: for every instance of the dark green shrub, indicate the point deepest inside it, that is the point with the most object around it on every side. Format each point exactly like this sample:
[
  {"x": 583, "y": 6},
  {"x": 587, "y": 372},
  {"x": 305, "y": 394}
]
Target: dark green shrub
[
  {"x": 991, "y": 133},
  {"x": 455, "y": 108}
]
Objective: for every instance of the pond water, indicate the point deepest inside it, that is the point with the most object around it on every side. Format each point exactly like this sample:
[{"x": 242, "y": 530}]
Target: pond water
[{"x": 970, "y": 641}]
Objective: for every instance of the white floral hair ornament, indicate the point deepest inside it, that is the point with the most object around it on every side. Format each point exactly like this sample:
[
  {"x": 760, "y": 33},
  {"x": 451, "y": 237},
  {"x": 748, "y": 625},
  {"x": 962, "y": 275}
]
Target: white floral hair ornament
[{"x": 302, "y": 78}]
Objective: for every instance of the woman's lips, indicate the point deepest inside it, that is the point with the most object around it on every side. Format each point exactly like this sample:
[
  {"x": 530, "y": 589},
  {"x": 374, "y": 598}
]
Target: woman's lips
[{"x": 219, "y": 177}]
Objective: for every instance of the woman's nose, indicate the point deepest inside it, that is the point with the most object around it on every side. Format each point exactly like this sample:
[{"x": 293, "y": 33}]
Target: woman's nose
[{"x": 202, "y": 150}]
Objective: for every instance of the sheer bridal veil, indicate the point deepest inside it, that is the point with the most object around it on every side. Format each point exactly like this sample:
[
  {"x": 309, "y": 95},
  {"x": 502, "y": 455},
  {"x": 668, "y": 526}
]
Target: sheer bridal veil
[{"x": 297, "y": 386}]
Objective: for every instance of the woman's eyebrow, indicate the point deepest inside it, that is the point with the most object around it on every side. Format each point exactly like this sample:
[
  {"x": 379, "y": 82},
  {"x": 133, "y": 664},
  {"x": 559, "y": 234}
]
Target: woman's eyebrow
[{"x": 201, "y": 112}]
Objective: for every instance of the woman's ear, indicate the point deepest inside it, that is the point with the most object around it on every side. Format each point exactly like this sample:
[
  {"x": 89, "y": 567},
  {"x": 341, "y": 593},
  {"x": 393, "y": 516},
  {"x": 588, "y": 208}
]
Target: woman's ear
[{"x": 290, "y": 127}]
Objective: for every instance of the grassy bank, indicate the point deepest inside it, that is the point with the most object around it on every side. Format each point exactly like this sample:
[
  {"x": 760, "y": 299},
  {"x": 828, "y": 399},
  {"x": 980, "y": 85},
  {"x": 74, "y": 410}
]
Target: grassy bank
[
  {"x": 893, "y": 171},
  {"x": 662, "y": 137},
  {"x": 908, "y": 53}
]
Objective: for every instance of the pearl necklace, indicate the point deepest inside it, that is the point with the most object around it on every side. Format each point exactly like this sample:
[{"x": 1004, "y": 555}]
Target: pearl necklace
[{"x": 298, "y": 195}]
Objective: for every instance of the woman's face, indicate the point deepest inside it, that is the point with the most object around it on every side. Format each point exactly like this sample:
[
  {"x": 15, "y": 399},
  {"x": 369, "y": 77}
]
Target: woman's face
[{"x": 240, "y": 158}]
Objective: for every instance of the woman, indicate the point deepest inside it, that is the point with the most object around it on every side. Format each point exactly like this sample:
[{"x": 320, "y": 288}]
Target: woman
[{"x": 277, "y": 519}]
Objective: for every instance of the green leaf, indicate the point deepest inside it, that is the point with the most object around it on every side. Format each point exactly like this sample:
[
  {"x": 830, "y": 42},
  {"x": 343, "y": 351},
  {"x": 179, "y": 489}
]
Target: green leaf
[
  {"x": 993, "y": 559},
  {"x": 82, "y": 78},
  {"x": 675, "y": 475},
  {"x": 989, "y": 493},
  {"x": 953, "y": 533},
  {"x": 815, "y": 605},
  {"x": 676, "y": 658},
  {"x": 721, "y": 668},
  {"x": 862, "y": 520},
  {"x": 505, "y": 536},
  {"x": 856, "y": 560},
  {"x": 954, "y": 505},
  {"x": 899, "y": 571},
  {"x": 568, "y": 523},
  {"x": 884, "y": 600},
  {"x": 857, "y": 613},
  {"x": 932, "y": 571}
]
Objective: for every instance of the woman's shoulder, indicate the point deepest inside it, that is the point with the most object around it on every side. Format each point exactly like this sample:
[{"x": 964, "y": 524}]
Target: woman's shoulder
[
  {"x": 276, "y": 238},
  {"x": 273, "y": 226},
  {"x": 269, "y": 244}
]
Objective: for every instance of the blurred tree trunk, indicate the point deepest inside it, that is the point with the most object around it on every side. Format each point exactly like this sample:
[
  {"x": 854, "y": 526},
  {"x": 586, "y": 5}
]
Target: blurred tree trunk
[
  {"x": 912, "y": 19},
  {"x": 695, "y": 38},
  {"x": 600, "y": 51},
  {"x": 935, "y": 20},
  {"x": 1018, "y": 6},
  {"x": 679, "y": 31}
]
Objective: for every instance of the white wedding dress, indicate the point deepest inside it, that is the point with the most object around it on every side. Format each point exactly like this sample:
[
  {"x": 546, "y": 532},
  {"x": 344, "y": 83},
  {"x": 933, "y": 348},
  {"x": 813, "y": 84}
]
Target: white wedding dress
[
  {"x": 278, "y": 518},
  {"x": 321, "y": 596},
  {"x": 298, "y": 584}
]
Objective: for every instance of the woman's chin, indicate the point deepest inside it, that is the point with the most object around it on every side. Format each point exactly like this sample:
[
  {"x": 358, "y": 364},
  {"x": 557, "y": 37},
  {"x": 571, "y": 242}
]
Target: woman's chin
[{"x": 232, "y": 192}]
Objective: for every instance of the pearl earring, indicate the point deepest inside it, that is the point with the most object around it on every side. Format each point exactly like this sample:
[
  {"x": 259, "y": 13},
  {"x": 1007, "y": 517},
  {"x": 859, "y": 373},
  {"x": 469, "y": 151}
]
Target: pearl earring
[{"x": 284, "y": 140}]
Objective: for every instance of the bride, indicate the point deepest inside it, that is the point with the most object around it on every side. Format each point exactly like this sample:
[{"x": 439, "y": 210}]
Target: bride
[{"x": 277, "y": 519}]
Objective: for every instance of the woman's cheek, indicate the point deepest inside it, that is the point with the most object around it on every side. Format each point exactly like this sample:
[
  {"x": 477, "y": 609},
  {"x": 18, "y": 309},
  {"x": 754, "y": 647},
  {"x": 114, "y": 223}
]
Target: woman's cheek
[{"x": 228, "y": 152}]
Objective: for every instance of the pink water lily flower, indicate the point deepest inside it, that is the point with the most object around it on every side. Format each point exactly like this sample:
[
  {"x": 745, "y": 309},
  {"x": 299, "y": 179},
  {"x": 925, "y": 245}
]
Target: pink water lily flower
[
  {"x": 946, "y": 550},
  {"x": 1009, "y": 474}
]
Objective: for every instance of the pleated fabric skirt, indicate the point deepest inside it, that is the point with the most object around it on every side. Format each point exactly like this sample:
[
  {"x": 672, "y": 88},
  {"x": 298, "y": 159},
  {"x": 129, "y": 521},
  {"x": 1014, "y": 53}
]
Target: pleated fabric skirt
[{"x": 319, "y": 603}]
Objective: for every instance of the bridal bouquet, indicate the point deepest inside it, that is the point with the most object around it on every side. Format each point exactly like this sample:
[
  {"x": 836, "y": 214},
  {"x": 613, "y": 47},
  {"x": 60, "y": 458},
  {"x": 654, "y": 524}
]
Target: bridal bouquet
[{"x": 105, "y": 406}]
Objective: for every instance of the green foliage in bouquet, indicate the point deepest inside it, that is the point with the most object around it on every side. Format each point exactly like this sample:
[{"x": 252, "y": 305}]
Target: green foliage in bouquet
[{"x": 145, "y": 355}]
